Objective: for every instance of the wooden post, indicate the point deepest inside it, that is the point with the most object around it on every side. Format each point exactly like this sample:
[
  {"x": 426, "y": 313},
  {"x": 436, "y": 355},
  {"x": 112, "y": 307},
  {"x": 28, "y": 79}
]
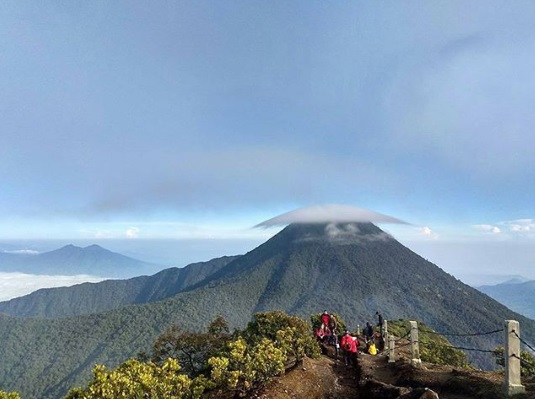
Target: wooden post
[
  {"x": 415, "y": 346},
  {"x": 391, "y": 349},
  {"x": 384, "y": 330},
  {"x": 511, "y": 354}
]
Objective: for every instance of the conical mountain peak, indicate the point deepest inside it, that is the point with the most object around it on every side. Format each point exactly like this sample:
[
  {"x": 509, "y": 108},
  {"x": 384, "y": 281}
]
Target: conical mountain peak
[{"x": 334, "y": 233}]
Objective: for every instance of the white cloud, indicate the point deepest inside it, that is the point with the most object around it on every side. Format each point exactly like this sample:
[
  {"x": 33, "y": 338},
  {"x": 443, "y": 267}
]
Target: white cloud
[
  {"x": 521, "y": 226},
  {"x": 488, "y": 228},
  {"x": 13, "y": 285},
  {"x": 21, "y": 252},
  {"x": 132, "y": 232},
  {"x": 427, "y": 232},
  {"x": 332, "y": 213}
]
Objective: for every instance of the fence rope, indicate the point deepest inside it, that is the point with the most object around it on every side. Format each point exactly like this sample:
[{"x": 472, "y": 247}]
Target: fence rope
[
  {"x": 402, "y": 346},
  {"x": 404, "y": 337},
  {"x": 459, "y": 347},
  {"x": 521, "y": 340},
  {"x": 523, "y": 361},
  {"x": 462, "y": 335}
]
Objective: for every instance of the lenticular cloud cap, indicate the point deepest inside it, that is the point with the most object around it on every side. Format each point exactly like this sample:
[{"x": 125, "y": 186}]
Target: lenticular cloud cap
[{"x": 332, "y": 213}]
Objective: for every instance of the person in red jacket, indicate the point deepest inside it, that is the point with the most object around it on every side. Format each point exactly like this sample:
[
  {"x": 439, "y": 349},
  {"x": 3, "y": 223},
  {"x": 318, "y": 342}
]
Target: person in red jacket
[
  {"x": 347, "y": 343},
  {"x": 325, "y": 319},
  {"x": 354, "y": 350}
]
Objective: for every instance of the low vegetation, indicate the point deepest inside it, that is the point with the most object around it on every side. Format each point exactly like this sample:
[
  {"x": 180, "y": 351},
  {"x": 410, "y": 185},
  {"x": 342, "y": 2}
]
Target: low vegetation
[
  {"x": 219, "y": 364},
  {"x": 527, "y": 361},
  {"x": 187, "y": 365}
]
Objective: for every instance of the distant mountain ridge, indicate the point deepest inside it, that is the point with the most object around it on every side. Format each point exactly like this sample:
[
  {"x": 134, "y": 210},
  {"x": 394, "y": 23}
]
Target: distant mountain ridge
[
  {"x": 73, "y": 260},
  {"x": 351, "y": 269},
  {"x": 87, "y": 298},
  {"x": 516, "y": 294}
]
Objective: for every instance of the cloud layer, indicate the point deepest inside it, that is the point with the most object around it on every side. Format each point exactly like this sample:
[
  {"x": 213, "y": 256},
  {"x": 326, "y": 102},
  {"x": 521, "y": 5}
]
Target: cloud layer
[
  {"x": 13, "y": 285},
  {"x": 332, "y": 213}
]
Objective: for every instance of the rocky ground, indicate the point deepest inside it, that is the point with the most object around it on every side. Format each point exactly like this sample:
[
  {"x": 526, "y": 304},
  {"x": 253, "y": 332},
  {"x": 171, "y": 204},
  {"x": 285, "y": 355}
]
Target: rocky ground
[{"x": 374, "y": 378}]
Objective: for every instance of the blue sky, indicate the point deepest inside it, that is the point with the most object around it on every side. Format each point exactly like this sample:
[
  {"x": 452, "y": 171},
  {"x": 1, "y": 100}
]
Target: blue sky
[{"x": 197, "y": 120}]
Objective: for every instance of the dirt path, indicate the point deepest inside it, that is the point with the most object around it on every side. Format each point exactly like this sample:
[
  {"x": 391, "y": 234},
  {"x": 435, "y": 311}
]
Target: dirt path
[
  {"x": 380, "y": 379},
  {"x": 324, "y": 378},
  {"x": 374, "y": 377}
]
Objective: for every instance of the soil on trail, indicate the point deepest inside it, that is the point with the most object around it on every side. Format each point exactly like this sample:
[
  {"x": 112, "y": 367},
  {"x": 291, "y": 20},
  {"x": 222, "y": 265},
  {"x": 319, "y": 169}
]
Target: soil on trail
[
  {"x": 374, "y": 377},
  {"x": 322, "y": 378}
]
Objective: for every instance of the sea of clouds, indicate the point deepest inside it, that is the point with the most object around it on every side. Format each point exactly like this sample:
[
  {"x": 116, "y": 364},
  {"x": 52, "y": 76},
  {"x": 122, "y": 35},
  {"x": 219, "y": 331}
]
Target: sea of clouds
[{"x": 16, "y": 284}]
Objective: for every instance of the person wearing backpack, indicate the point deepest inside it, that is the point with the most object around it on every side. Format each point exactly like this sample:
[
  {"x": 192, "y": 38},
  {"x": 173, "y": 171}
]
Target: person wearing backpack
[
  {"x": 346, "y": 344},
  {"x": 368, "y": 332}
]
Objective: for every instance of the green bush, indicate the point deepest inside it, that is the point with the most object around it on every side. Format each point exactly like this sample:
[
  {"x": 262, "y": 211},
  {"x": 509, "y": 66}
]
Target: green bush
[
  {"x": 9, "y": 395},
  {"x": 527, "y": 362},
  {"x": 246, "y": 368},
  {"x": 291, "y": 333},
  {"x": 137, "y": 380},
  {"x": 185, "y": 364}
]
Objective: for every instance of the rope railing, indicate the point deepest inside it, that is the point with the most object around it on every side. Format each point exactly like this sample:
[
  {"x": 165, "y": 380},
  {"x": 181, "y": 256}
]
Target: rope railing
[
  {"x": 407, "y": 335},
  {"x": 521, "y": 340},
  {"x": 513, "y": 384},
  {"x": 462, "y": 335},
  {"x": 459, "y": 347},
  {"x": 524, "y": 362},
  {"x": 402, "y": 346}
]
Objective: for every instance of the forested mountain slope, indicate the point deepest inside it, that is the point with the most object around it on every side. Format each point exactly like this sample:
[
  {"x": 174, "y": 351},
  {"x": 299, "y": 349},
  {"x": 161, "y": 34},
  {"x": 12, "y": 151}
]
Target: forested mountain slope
[
  {"x": 352, "y": 270},
  {"x": 89, "y": 298}
]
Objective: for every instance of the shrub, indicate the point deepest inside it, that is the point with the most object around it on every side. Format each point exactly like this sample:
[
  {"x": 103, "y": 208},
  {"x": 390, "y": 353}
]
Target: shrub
[
  {"x": 527, "y": 361},
  {"x": 246, "y": 367},
  {"x": 291, "y": 334},
  {"x": 134, "y": 379},
  {"x": 9, "y": 395}
]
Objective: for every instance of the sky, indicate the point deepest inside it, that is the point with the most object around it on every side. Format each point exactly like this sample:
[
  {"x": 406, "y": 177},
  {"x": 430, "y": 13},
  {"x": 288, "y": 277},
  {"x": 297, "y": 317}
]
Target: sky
[{"x": 142, "y": 122}]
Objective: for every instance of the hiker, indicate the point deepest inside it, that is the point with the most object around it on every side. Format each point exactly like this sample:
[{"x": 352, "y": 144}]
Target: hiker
[
  {"x": 354, "y": 350},
  {"x": 379, "y": 321},
  {"x": 333, "y": 324},
  {"x": 346, "y": 343},
  {"x": 325, "y": 319},
  {"x": 368, "y": 332},
  {"x": 322, "y": 333},
  {"x": 379, "y": 342},
  {"x": 334, "y": 339},
  {"x": 372, "y": 350}
]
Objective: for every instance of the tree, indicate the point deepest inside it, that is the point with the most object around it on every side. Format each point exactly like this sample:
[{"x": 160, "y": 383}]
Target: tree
[{"x": 192, "y": 349}]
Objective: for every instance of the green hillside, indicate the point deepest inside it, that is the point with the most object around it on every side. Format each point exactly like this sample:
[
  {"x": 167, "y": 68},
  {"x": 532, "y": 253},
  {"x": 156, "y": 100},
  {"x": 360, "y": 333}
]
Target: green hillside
[{"x": 90, "y": 298}]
